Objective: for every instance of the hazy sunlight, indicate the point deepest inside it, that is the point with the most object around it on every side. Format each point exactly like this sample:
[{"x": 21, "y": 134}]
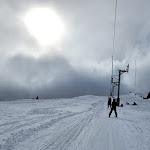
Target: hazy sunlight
[{"x": 44, "y": 25}]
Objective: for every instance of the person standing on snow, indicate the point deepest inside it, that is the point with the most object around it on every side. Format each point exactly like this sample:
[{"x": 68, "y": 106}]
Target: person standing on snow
[
  {"x": 109, "y": 102},
  {"x": 113, "y": 107}
]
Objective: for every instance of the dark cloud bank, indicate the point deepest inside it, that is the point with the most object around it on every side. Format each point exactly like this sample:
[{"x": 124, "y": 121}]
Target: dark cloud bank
[{"x": 48, "y": 77}]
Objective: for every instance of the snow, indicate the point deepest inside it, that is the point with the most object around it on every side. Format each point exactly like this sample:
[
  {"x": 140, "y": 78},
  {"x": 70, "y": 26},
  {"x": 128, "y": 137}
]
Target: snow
[{"x": 80, "y": 123}]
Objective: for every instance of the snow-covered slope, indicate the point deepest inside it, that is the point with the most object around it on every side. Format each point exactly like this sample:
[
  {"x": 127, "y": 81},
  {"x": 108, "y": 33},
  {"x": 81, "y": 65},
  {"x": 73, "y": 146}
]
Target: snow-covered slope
[{"x": 80, "y": 123}]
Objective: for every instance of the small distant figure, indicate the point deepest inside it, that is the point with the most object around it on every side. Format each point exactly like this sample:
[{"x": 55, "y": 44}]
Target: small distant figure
[
  {"x": 109, "y": 102},
  {"x": 113, "y": 107},
  {"x": 37, "y": 97},
  {"x": 134, "y": 103},
  {"x": 127, "y": 103}
]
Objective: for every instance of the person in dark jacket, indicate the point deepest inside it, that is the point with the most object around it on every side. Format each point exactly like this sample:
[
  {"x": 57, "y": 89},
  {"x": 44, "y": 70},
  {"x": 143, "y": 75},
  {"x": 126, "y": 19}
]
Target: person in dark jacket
[
  {"x": 113, "y": 107},
  {"x": 109, "y": 102}
]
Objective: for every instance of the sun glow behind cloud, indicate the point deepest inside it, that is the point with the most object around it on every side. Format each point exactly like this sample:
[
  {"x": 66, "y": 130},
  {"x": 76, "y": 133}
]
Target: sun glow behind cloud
[{"x": 44, "y": 25}]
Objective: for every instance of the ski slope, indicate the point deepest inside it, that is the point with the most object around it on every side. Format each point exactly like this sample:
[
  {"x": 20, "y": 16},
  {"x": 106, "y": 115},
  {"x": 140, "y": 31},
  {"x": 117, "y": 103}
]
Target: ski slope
[{"x": 80, "y": 123}]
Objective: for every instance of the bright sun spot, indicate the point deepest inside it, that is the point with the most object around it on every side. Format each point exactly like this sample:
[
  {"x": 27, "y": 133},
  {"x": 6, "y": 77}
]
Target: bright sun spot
[{"x": 44, "y": 25}]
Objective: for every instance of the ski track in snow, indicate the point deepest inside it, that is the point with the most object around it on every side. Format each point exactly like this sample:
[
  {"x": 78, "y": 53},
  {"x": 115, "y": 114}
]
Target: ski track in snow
[{"x": 80, "y": 123}]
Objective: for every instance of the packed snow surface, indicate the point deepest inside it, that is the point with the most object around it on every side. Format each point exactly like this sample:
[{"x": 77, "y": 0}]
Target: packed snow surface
[{"x": 80, "y": 123}]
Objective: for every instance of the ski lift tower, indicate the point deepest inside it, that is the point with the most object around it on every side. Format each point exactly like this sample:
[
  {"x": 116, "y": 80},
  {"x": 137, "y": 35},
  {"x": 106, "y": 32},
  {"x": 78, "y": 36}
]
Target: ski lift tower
[{"x": 120, "y": 72}]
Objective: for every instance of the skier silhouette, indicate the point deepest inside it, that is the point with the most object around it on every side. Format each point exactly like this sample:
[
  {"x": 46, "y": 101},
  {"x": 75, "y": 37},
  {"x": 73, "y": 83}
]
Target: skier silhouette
[
  {"x": 113, "y": 107},
  {"x": 109, "y": 102}
]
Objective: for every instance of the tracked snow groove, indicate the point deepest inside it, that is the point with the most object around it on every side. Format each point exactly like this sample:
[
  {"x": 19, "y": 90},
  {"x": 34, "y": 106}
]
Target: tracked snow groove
[
  {"x": 80, "y": 123},
  {"x": 61, "y": 125}
]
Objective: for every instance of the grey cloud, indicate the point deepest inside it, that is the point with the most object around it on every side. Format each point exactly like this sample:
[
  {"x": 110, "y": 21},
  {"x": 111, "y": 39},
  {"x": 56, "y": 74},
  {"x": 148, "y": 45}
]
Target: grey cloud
[
  {"x": 83, "y": 64},
  {"x": 51, "y": 76}
]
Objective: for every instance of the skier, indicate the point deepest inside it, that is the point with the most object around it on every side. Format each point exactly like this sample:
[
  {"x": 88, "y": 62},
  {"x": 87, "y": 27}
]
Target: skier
[
  {"x": 113, "y": 107},
  {"x": 109, "y": 102}
]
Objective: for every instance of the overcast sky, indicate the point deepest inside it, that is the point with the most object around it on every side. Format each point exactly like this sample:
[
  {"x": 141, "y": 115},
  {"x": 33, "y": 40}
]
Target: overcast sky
[{"x": 80, "y": 62}]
